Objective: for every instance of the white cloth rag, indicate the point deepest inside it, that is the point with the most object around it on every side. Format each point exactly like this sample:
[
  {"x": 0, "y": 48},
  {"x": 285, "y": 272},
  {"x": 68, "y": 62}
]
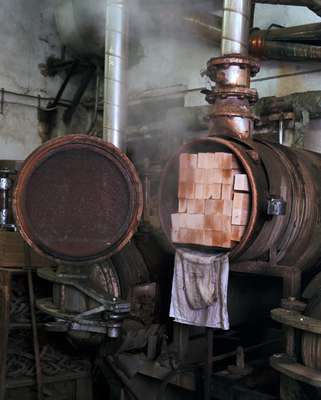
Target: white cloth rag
[{"x": 199, "y": 290}]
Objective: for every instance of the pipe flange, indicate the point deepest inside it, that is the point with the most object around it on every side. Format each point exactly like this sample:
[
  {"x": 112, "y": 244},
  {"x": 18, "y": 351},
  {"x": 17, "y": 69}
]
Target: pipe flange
[
  {"x": 242, "y": 93},
  {"x": 234, "y": 59},
  {"x": 232, "y": 112},
  {"x": 232, "y": 115}
]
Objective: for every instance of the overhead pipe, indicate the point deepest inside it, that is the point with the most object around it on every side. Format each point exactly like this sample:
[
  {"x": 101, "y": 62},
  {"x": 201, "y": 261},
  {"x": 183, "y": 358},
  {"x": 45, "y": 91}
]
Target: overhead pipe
[
  {"x": 294, "y": 43},
  {"x": 313, "y": 5},
  {"x": 116, "y": 62},
  {"x": 209, "y": 27},
  {"x": 284, "y": 50},
  {"x": 286, "y": 44},
  {"x": 309, "y": 33}
]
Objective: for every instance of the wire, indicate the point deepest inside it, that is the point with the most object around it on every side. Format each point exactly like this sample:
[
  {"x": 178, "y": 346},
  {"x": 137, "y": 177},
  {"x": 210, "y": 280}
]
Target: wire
[
  {"x": 267, "y": 78},
  {"x": 16, "y": 103},
  {"x": 32, "y": 96},
  {"x": 32, "y": 105}
]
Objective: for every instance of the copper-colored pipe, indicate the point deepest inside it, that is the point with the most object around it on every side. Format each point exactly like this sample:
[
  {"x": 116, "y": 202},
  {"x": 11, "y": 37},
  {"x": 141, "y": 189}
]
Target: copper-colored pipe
[
  {"x": 277, "y": 44},
  {"x": 309, "y": 33},
  {"x": 209, "y": 27},
  {"x": 284, "y": 50},
  {"x": 232, "y": 96}
]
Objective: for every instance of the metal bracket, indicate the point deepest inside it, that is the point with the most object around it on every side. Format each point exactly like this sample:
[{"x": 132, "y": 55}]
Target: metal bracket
[
  {"x": 276, "y": 206},
  {"x": 110, "y": 303},
  {"x": 106, "y": 317}
]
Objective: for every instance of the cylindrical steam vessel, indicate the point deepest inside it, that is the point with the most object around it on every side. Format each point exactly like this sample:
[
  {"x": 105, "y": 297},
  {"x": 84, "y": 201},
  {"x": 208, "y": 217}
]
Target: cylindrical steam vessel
[{"x": 284, "y": 226}]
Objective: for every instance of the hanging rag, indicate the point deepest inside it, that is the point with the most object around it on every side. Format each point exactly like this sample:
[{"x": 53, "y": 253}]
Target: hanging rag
[{"x": 199, "y": 290}]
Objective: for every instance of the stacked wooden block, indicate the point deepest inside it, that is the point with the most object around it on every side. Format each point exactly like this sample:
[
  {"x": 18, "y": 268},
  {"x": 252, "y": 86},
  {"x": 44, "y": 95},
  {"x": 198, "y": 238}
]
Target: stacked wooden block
[{"x": 214, "y": 200}]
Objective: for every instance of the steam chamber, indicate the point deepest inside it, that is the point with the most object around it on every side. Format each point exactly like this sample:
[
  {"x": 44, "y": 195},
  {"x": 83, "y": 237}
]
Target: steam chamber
[
  {"x": 284, "y": 225},
  {"x": 282, "y": 234},
  {"x": 284, "y": 222}
]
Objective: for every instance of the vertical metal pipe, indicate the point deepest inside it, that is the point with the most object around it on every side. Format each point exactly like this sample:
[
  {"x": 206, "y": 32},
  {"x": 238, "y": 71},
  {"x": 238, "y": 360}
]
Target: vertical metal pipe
[
  {"x": 236, "y": 27},
  {"x": 281, "y": 131},
  {"x": 116, "y": 61},
  {"x": 5, "y": 186},
  {"x": 232, "y": 96}
]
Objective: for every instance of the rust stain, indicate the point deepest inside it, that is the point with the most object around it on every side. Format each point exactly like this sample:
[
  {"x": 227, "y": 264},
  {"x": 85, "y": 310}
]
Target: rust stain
[{"x": 78, "y": 199}]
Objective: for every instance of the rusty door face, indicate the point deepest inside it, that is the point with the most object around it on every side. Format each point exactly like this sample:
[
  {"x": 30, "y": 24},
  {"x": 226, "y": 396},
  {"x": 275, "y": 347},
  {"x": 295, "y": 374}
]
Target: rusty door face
[{"x": 78, "y": 199}]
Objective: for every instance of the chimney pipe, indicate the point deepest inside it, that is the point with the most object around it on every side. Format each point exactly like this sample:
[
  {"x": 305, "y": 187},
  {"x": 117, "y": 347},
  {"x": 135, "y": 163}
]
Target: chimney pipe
[
  {"x": 236, "y": 27},
  {"x": 116, "y": 62},
  {"x": 232, "y": 96}
]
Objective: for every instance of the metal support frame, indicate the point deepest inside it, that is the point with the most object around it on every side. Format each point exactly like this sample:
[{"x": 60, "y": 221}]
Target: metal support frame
[
  {"x": 72, "y": 70},
  {"x": 291, "y": 276},
  {"x": 106, "y": 317},
  {"x": 86, "y": 78},
  {"x": 5, "y": 301}
]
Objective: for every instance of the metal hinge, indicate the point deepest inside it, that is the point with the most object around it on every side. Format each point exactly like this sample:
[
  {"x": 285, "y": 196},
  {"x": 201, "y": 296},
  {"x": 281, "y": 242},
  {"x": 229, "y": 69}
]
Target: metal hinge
[{"x": 276, "y": 206}]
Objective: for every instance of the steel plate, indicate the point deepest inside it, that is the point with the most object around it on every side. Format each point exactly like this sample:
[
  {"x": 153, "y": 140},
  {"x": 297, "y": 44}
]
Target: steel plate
[{"x": 78, "y": 199}]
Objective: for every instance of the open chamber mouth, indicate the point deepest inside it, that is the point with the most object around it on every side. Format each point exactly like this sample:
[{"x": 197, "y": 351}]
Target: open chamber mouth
[{"x": 206, "y": 197}]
